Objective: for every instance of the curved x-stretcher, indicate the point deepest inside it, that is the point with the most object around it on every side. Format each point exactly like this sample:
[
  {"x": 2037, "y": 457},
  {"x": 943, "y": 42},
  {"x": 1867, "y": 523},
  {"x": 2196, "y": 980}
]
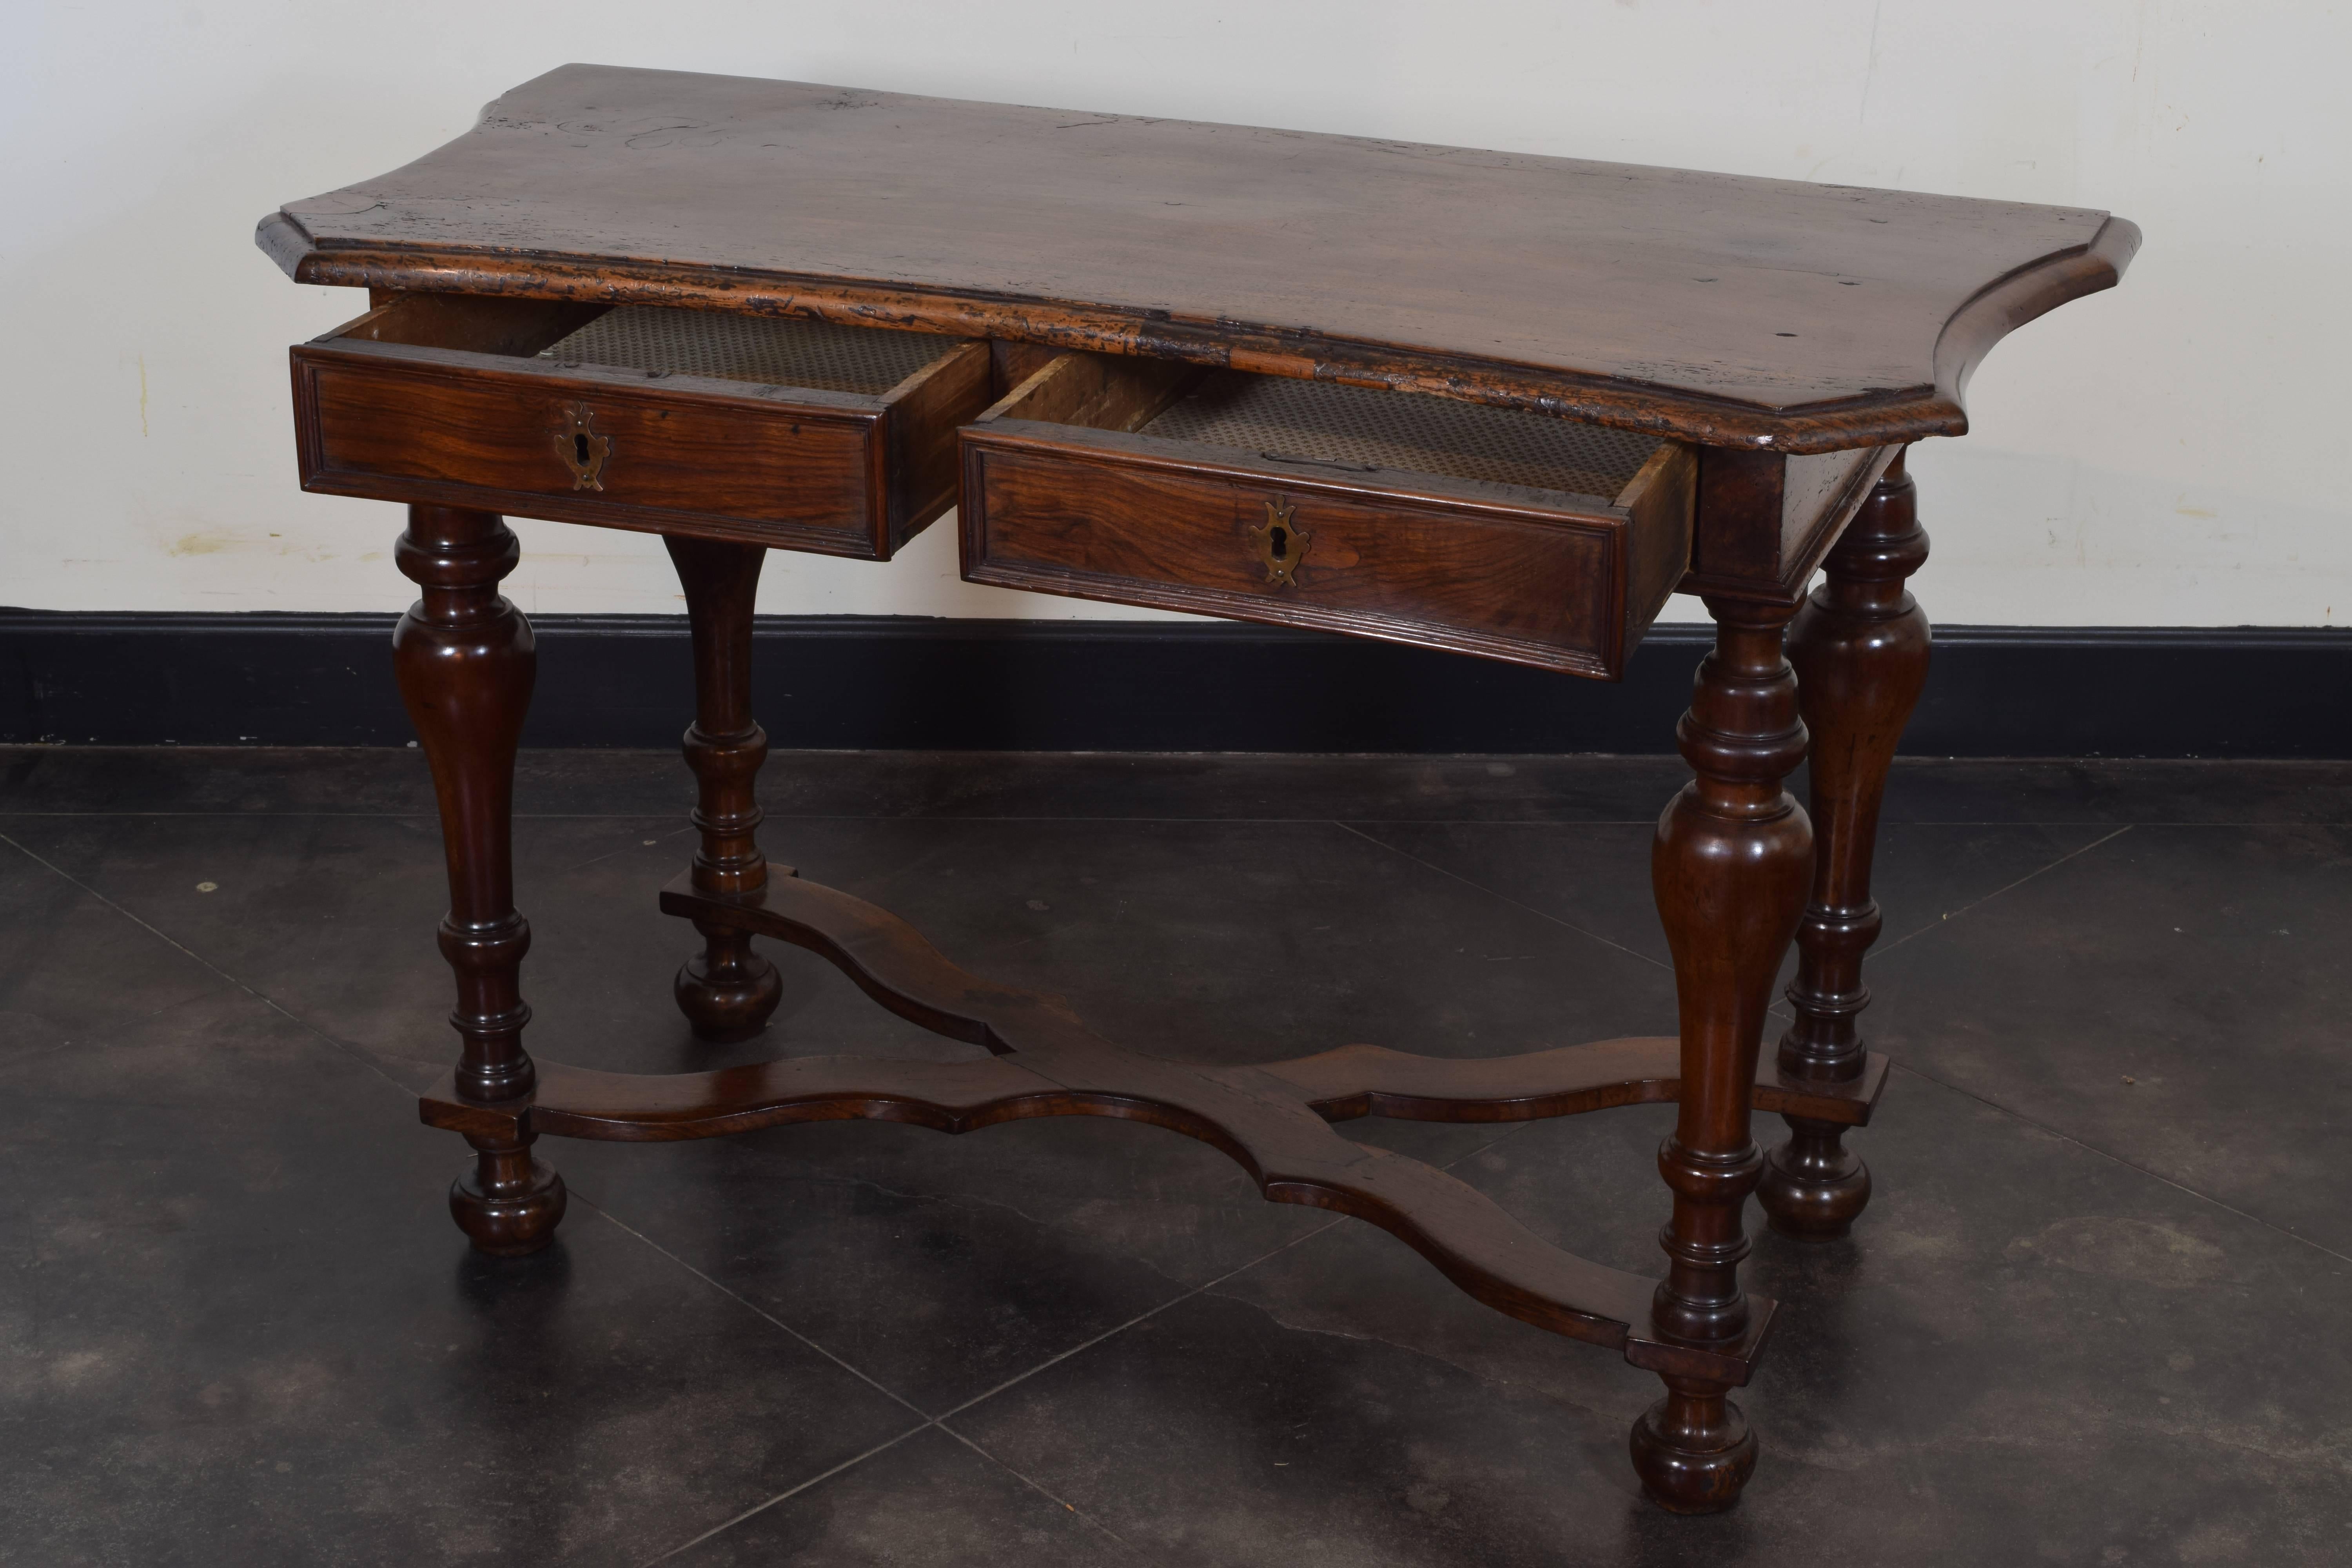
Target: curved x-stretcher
[{"x": 1273, "y": 1119}]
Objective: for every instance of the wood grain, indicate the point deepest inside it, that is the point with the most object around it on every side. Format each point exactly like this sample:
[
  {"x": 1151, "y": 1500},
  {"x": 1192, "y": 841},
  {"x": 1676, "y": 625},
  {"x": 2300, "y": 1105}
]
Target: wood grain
[
  {"x": 1729, "y": 867},
  {"x": 1341, "y": 1085},
  {"x": 1718, "y": 309},
  {"x": 1096, "y": 391},
  {"x": 1043, "y": 1062},
  {"x": 441, "y": 401},
  {"x": 1505, "y": 572},
  {"x": 727, "y": 991},
  {"x": 1568, "y": 1081},
  {"x": 1859, "y": 646},
  {"x": 1764, "y": 520},
  {"x": 466, "y": 660},
  {"x": 1779, "y": 342}
]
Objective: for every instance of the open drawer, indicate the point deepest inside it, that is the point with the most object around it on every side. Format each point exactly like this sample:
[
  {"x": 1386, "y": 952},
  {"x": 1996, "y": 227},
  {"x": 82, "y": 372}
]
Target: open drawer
[
  {"x": 1386, "y": 514},
  {"x": 804, "y": 435}
]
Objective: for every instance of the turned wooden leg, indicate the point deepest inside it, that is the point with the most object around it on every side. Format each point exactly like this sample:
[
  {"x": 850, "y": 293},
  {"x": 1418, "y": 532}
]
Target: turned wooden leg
[
  {"x": 726, "y": 991},
  {"x": 1860, "y": 648},
  {"x": 1729, "y": 866},
  {"x": 465, "y": 662}
]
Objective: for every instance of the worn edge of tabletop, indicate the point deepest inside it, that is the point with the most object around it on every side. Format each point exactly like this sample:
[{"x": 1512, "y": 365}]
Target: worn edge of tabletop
[{"x": 1872, "y": 419}]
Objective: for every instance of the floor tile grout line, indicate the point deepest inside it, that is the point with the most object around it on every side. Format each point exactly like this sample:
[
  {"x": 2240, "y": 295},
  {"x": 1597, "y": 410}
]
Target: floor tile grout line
[
  {"x": 1204, "y": 1286},
  {"x": 760, "y": 1311},
  {"x": 1209, "y": 1286},
  {"x": 2091, "y": 1148},
  {"x": 341, "y": 1046},
  {"x": 604, "y": 1214},
  {"x": 584, "y": 1201},
  {"x": 1176, "y": 1300},
  {"x": 1033, "y": 1484},
  {"x": 1978, "y": 903},
  {"x": 788, "y": 1493},
  {"x": 941, "y": 1419},
  {"x": 770, "y": 1317},
  {"x": 1500, "y": 897}
]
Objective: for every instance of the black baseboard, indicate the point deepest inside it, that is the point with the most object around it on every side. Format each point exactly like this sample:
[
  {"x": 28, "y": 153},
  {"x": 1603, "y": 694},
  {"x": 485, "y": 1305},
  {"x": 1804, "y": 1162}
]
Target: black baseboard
[{"x": 860, "y": 683}]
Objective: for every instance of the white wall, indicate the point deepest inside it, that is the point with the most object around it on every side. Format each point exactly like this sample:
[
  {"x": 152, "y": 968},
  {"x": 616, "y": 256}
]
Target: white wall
[{"x": 2163, "y": 453}]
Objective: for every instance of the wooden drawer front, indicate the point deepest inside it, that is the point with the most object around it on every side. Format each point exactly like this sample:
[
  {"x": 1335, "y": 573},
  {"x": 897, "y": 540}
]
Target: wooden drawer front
[
  {"x": 1506, "y": 572},
  {"x": 839, "y": 472},
  {"x": 404, "y": 433}
]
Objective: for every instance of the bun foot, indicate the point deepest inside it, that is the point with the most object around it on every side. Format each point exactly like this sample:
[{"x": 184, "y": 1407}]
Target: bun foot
[
  {"x": 1693, "y": 1449},
  {"x": 509, "y": 1204},
  {"x": 726, "y": 992},
  {"x": 1813, "y": 1187}
]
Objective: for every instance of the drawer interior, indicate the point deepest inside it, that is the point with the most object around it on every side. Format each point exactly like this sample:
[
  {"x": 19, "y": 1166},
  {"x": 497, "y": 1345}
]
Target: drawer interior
[
  {"x": 1354, "y": 429},
  {"x": 1400, "y": 515},
  {"x": 474, "y": 323},
  {"x": 777, "y": 352},
  {"x": 1339, "y": 432},
  {"x": 801, "y": 434},
  {"x": 659, "y": 341}
]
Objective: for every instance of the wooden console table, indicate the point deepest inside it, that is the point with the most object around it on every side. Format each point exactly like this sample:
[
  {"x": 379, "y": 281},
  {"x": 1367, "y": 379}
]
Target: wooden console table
[{"x": 1478, "y": 401}]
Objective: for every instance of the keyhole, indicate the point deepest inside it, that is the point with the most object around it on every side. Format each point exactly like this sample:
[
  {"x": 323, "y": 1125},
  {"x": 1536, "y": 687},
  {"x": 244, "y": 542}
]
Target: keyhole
[
  {"x": 580, "y": 447},
  {"x": 1278, "y": 541}
]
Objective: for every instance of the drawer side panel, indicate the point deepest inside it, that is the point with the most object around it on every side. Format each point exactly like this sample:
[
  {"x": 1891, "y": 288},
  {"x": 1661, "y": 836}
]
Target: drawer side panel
[{"x": 924, "y": 419}]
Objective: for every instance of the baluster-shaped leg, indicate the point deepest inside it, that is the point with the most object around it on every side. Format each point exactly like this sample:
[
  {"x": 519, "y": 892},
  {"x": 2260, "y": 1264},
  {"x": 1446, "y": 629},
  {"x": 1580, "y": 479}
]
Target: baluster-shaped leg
[
  {"x": 1729, "y": 865},
  {"x": 1860, "y": 647},
  {"x": 465, "y": 661},
  {"x": 727, "y": 991}
]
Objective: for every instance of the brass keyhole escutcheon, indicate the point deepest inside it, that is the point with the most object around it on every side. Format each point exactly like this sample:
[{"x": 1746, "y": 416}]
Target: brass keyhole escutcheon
[
  {"x": 1281, "y": 544},
  {"x": 583, "y": 449}
]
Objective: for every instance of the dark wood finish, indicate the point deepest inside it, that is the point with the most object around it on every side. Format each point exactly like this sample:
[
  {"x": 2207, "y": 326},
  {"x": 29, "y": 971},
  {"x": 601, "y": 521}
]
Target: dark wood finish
[
  {"x": 1094, "y": 391},
  {"x": 465, "y": 661},
  {"x": 921, "y": 418},
  {"x": 1719, "y": 309},
  {"x": 473, "y": 324},
  {"x": 443, "y": 399},
  {"x": 1048, "y": 1064},
  {"x": 1369, "y": 1080},
  {"x": 1342, "y": 1085},
  {"x": 1859, "y": 646},
  {"x": 1737, "y": 551},
  {"x": 1063, "y": 493},
  {"x": 1729, "y": 868},
  {"x": 1014, "y": 362},
  {"x": 727, "y": 991},
  {"x": 1772, "y": 343}
]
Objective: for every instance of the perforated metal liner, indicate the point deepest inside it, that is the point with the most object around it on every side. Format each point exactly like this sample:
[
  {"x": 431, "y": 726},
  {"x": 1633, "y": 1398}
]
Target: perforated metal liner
[
  {"x": 750, "y": 348},
  {"x": 1320, "y": 425}
]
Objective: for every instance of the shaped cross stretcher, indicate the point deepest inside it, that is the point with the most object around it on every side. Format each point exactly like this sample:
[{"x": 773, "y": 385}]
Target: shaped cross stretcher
[{"x": 1273, "y": 1120}]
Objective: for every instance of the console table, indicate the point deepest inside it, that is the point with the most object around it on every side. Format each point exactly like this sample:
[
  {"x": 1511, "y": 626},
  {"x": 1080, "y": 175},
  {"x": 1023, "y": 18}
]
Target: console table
[{"x": 1478, "y": 401}]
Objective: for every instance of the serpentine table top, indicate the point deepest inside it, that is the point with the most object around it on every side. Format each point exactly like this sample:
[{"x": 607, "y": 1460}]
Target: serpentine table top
[{"x": 1715, "y": 309}]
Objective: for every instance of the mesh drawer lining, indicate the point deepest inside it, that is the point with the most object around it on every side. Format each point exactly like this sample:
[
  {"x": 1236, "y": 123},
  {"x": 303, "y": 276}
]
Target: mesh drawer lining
[
  {"x": 821, "y": 354},
  {"x": 1362, "y": 427},
  {"x": 1312, "y": 422}
]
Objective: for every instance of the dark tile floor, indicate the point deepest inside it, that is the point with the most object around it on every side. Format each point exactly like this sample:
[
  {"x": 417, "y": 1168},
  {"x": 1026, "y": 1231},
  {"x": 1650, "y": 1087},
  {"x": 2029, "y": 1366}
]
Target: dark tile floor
[{"x": 2097, "y": 1314}]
